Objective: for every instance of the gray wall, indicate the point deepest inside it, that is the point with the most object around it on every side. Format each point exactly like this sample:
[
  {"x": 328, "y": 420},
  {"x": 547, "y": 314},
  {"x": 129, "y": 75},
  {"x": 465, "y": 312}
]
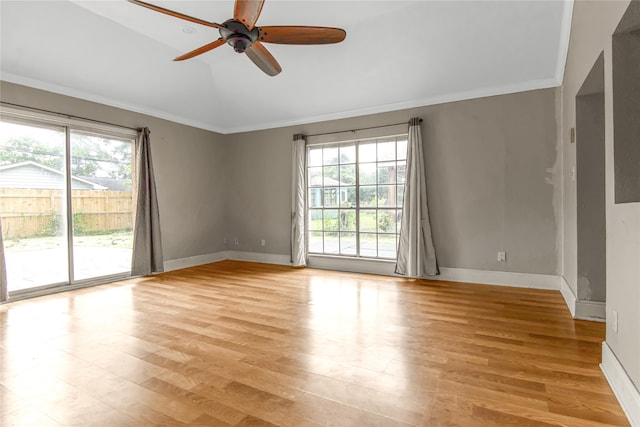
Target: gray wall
[
  {"x": 593, "y": 23},
  {"x": 189, "y": 163},
  {"x": 491, "y": 179},
  {"x": 626, "y": 69},
  {"x": 591, "y": 222}
]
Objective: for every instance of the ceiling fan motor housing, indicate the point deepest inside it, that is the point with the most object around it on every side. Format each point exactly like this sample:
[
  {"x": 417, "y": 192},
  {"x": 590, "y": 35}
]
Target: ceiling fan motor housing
[{"x": 238, "y": 35}]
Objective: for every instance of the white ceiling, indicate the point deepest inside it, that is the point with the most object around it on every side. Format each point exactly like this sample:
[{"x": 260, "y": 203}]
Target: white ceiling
[{"x": 397, "y": 54}]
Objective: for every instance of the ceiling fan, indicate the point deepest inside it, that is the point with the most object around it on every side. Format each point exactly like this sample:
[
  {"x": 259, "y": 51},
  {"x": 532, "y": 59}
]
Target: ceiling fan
[{"x": 241, "y": 33}]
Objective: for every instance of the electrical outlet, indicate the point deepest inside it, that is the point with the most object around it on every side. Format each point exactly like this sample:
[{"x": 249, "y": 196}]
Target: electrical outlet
[
  {"x": 263, "y": 242},
  {"x": 614, "y": 321},
  {"x": 236, "y": 241},
  {"x": 502, "y": 256}
]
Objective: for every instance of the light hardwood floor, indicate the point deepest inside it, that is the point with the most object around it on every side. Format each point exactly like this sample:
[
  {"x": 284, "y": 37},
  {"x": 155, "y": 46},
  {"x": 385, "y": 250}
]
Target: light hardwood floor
[{"x": 245, "y": 344}]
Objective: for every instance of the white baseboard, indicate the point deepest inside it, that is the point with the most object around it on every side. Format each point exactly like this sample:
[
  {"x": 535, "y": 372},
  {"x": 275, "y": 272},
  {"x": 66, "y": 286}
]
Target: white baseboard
[
  {"x": 581, "y": 309},
  {"x": 622, "y": 386},
  {"x": 568, "y": 295},
  {"x": 192, "y": 261},
  {"x": 500, "y": 278},
  {"x": 591, "y": 310},
  {"x": 259, "y": 257},
  {"x": 370, "y": 266}
]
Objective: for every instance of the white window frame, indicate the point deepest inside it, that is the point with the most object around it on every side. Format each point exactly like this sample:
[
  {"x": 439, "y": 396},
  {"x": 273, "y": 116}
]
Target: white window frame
[
  {"x": 34, "y": 117},
  {"x": 355, "y": 262}
]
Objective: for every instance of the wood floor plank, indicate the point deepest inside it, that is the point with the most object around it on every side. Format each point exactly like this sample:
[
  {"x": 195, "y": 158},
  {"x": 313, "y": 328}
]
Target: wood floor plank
[{"x": 246, "y": 344}]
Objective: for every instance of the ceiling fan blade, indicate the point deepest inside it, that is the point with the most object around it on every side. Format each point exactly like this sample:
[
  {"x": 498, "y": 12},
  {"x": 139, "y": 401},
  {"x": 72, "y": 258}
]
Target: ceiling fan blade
[
  {"x": 263, "y": 59},
  {"x": 247, "y": 12},
  {"x": 201, "y": 50},
  {"x": 175, "y": 14},
  {"x": 301, "y": 35}
]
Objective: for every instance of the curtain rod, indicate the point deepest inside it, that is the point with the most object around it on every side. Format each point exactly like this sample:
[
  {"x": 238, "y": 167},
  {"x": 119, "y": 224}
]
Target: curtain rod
[
  {"x": 69, "y": 116},
  {"x": 355, "y": 130}
]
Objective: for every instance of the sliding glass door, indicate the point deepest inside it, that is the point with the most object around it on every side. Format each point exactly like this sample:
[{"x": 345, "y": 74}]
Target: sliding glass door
[
  {"x": 33, "y": 205},
  {"x": 66, "y": 200},
  {"x": 102, "y": 205}
]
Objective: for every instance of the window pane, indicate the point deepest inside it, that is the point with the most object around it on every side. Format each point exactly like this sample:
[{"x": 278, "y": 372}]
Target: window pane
[
  {"x": 315, "y": 219},
  {"x": 348, "y": 197},
  {"x": 402, "y": 149},
  {"x": 330, "y": 174},
  {"x": 386, "y": 221},
  {"x": 102, "y": 202},
  {"x": 368, "y": 245},
  {"x": 330, "y": 197},
  {"x": 348, "y": 175},
  {"x": 400, "y": 199},
  {"x": 387, "y": 245},
  {"x": 386, "y": 196},
  {"x": 331, "y": 220},
  {"x": 348, "y": 243},
  {"x": 387, "y": 173},
  {"x": 399, "y": 220},
  {"x": 367, "y": 152},
  {"x": 402, "y": 171},
  {"x": 315, "y": 242},
  {"x": 348, "y": 154},
  {"x": 331, "y": 243},
  {"x": 386, "y": 150},
  {"x": 315, "y": 197},
  {"x": 368, "y": 196},
  {"x": 315, "y": 157},
  {"x": 330, "y": 156},
  {"x": 367, "y": 173},
  {"x": 347, "y": 220},
  {"x": 368, "y": 220},
  {"x": 33, "y": 205},
  {"x": 315, "y": 177}
]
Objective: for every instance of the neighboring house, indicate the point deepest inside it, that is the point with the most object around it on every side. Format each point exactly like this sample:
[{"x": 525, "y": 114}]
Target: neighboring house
[
  {"x": 328, "y": 194},
  {"x": 30, "y": 174},
  {"x": 113, "y": 184}
]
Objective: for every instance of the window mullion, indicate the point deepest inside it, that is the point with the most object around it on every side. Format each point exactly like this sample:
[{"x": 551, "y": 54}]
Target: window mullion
[{"x": 357, "y": 145}]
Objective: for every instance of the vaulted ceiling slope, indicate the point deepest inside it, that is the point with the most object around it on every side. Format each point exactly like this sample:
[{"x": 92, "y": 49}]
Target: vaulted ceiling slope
[{"x": 397, "y": 54}]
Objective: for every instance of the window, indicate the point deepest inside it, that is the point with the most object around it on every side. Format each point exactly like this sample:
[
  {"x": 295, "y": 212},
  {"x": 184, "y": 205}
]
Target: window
[
  {"x": 354, "y": 197},
  {"x": 66, "y": 200}
]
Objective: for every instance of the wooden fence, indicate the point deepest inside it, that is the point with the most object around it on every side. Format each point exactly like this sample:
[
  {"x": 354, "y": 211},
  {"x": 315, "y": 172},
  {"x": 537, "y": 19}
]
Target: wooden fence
[{"x": 39, "y": 212}]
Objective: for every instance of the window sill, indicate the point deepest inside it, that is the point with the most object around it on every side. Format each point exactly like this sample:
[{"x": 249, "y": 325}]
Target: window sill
[{"x": 355, "y": 265}]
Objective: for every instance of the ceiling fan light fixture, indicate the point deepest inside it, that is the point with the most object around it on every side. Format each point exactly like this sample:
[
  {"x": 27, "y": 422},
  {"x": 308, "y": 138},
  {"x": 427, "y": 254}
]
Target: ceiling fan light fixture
[{"x": 239, "y": 42}]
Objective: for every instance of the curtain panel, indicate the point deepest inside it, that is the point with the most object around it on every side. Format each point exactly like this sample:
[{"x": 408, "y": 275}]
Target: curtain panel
[
  {"x": 416, "y": 253},
  {"x": 298, "y": 190},
  {"x": 147, "y": 246}
]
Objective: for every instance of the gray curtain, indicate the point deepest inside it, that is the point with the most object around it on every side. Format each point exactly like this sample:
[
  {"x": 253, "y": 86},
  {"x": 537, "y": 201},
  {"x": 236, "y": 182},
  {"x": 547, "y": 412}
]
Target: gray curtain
[
  {"x": 4, "y": 292},
  {"x": 147, "y": 247},
  {"x": 416, "y": 254},
  {"x": 298, "y": 189}
]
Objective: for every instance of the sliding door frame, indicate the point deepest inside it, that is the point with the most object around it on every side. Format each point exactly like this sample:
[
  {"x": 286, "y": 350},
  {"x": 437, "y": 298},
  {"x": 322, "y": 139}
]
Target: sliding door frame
[{"x": 33, "y": 117}]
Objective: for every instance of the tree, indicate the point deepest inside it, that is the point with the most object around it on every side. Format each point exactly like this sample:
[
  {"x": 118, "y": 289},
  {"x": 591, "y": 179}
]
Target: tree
[
  {"x": 18, "y": 150},
  {"x": 90, "y": 155}
]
